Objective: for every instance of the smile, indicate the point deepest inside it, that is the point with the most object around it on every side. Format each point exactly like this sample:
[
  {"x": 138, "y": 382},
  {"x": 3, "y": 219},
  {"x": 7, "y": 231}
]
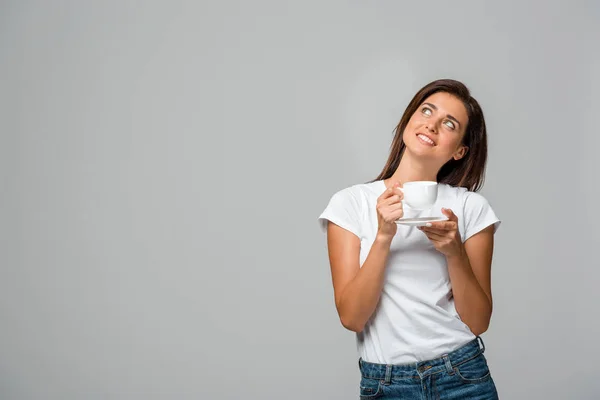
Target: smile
[{"x": 424, "y": 139}]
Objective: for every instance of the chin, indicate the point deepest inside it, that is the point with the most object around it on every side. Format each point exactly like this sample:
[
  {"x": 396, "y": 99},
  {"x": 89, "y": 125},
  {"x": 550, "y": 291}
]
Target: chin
[{"x": 420, "y": 150}]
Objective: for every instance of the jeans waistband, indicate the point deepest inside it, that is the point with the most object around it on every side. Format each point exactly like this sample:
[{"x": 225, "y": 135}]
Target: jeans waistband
[{"x": 421, "y": 369}]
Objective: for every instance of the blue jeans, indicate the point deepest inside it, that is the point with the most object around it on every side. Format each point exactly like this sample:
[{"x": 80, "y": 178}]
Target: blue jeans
[{"x": 460, "y": 375}]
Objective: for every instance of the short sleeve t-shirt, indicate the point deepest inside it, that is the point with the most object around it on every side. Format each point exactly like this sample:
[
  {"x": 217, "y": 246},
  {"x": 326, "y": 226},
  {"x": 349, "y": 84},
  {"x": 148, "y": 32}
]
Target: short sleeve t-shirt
[{"x": 415, "y": 319}]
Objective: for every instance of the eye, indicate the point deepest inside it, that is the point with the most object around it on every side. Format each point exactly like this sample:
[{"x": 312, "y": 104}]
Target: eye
[
  {"x": 426, "y": 111},
  {"x": 450, "y": 124}
]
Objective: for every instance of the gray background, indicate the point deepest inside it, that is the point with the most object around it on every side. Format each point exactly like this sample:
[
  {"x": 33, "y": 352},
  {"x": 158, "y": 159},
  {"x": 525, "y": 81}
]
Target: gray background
[{"x": 163, "y": 165}]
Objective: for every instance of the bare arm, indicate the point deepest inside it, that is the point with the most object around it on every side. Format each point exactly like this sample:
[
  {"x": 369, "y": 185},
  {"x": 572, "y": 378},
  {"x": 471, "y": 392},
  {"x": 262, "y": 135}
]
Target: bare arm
[
  {"x": 469, "y": 267},
  {"x": 357, "y": 290},
  {"x": 470, "y": 274}
]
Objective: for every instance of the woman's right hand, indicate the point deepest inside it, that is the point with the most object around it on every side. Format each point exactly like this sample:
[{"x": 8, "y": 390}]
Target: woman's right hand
[{"x": 389, "y": 209}]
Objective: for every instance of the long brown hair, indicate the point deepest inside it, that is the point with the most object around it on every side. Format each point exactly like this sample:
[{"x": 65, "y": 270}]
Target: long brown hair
[{"x": 469, "y": 171}]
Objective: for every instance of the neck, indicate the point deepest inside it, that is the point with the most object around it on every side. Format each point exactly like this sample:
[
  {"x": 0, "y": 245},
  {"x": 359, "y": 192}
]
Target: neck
[{"x": 411, "y": 169}]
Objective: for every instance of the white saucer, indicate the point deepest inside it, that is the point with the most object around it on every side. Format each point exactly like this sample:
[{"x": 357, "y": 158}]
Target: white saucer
[{"x": 419, "y": 221}]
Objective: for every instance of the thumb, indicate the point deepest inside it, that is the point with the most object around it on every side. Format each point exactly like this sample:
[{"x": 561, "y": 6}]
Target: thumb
[{"x": 450, "y": 214}]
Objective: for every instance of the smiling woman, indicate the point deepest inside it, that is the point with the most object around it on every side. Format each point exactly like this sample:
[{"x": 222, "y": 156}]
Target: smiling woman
[
  {"x": 446, "y": 113},
  {"x": 419, "y": 297}
]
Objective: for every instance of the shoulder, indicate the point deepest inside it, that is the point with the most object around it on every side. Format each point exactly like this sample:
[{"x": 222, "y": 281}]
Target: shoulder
[
  {"x": 358, "y": 194},
  {"x": 474, "y": 201},
  {"x": 464, "y": 197},
  {"x": 476, "y": 211},
  {"x": 455, "y": 192},
  {"x": 348, "y": 206}
]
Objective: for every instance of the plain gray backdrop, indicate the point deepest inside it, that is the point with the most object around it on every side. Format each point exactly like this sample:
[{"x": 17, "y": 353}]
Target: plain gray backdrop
[{"x": 163, "y": 165}]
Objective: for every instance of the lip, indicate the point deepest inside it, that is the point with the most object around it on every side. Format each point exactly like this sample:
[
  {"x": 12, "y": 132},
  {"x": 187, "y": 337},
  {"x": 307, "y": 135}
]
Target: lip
[{"x": 426, "y": 135}]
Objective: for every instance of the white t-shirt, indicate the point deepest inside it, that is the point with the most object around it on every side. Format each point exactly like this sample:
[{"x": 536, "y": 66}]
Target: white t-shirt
[{"x": 415, "y": 319}]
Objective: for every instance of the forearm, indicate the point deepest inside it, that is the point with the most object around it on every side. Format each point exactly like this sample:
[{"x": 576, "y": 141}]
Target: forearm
[
  {"x": 471, "y": 301},
  {"x": 361, "y": 295}
]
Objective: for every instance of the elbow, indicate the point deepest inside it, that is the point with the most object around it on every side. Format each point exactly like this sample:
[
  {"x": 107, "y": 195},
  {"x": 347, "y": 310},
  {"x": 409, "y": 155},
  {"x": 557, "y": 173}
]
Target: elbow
[
  {"x": 479, "y": 322},
  {"x": 479, "y": 330},
  {"x": 348, "y": 320},
  {"x": 351, "y": 325},
  {"x": 480, "y": 327}
]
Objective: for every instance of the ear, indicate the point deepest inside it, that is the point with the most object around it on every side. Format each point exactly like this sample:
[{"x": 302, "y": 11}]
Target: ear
[{"x": 460, "y": 153}]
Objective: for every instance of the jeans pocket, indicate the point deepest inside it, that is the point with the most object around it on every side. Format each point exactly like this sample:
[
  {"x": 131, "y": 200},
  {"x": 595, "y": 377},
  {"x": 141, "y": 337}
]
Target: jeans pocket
[
  {"x": 475, "y": 370},
  {"x": 370, "y": 388}
]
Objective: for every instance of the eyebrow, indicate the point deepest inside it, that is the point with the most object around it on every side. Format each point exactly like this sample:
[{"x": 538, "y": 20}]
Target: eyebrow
[{"x": 447, "y": 115}]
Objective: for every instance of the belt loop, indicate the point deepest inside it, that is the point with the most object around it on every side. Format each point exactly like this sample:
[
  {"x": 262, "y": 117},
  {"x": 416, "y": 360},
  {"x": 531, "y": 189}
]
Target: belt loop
[
  {"x": 482, "y": 344},
  {"x": 388, "y": 374},
  {"x": 448, "y": 364}
]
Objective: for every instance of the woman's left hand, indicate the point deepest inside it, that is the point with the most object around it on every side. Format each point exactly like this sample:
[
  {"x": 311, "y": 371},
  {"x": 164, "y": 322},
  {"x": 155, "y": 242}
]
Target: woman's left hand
[{"x": 444, "y": 234}]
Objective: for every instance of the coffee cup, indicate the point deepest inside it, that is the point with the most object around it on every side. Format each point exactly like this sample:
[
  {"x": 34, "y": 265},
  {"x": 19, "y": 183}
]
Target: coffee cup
[{"x": 420, "y": 195}]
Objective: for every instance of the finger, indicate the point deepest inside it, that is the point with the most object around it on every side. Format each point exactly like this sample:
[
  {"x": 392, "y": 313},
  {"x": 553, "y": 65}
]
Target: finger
[
  {"x": 444, "y": 225},
  {"x": 386, "y": 193},
  {"x": 394, "y": 199},
  {"x": 434, "y": 236},
  {"x": 396, "y": 215},
  {"x": 440, "y": 232},
  {"x": 391, "y": 207},
  {"x": 450, "y": 214},
  {"x": 393, "y": 189},
  {"x": 384, "y": 210},
  {"x": 399, "y": 192},
  {"x": 393, "y": 211},
  {"x": 393, "y": 215}
]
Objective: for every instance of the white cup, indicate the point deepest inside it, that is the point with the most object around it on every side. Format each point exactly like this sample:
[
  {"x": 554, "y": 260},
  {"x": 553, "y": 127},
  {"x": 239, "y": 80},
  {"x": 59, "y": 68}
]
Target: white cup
[{"x": 420, "y": 195}]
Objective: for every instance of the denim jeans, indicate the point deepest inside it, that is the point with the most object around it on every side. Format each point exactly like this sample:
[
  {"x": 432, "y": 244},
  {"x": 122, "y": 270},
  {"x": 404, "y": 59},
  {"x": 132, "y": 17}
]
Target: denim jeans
[{"x": 460, "y": 375}]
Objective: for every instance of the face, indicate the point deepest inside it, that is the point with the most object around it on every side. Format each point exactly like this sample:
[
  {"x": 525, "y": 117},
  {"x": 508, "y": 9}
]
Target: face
[{"x": 437, "y": 128}]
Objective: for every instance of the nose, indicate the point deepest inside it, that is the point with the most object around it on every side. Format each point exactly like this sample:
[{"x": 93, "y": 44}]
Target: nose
[{"x": 431, "y": 127}]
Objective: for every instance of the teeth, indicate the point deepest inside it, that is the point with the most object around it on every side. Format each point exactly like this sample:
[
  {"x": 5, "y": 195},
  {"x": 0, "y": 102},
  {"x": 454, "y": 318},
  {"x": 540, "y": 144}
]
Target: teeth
[{"x": 425, "y": 138}]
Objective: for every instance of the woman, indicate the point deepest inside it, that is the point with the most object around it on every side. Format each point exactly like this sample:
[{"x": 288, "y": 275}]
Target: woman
[{"x": 419, "y": 297}]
